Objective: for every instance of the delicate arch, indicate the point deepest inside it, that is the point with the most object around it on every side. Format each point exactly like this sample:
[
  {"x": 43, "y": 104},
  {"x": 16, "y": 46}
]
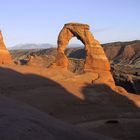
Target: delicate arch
[{"x": 95, "y": 59}]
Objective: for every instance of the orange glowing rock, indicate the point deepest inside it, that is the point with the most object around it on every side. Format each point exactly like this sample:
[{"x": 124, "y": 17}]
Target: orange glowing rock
[
  {"x": 5, "y": 57},
  {"x": 95, "y": 56}
]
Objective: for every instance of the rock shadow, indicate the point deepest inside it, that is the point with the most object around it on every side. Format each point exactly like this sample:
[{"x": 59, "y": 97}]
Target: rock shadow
[
  {"x": 49, "y": 96},
  {"x": 78, "y": 54},
  {"x": 100, "y": 103},
  {"x": 114, "y": 115}
]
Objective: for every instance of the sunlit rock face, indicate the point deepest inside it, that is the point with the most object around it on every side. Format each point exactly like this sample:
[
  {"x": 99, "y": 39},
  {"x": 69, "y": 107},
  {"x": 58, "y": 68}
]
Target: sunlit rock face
[
  {"x": 5, "y": 57},
  {"x": 95, "y": 56},
  {"x": 96, "y": 61}
]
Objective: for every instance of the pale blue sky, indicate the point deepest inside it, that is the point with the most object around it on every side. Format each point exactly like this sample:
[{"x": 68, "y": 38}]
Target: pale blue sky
[{"x": 39, "y": 21}]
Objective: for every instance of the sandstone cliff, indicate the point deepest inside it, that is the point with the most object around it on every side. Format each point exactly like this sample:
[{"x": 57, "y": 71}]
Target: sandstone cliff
[{"x": 5, "y": 57}]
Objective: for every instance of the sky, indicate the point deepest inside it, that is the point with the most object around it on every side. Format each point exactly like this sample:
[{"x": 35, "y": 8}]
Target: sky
[{"x": 40, "y": 21}]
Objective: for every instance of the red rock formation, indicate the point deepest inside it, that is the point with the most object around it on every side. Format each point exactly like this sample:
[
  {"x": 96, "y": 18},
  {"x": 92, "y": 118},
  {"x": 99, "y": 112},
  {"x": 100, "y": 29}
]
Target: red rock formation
[
  {"x": 5, "y": 57},
  {"x": 95, "y": 59}
]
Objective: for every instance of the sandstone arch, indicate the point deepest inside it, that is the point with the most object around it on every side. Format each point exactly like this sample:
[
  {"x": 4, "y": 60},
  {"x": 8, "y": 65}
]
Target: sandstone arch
[
  {"x": 95, "y": 56},
  {"x": 5, "y": 57}
]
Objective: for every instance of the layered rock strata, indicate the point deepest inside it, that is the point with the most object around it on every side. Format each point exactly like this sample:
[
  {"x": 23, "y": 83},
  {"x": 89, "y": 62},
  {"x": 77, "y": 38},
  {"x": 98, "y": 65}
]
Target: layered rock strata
[{"x": 95, "y": 56}]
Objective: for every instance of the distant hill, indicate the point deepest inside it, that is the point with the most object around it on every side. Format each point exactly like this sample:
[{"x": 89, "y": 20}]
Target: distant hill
[
  {"x": 117, "y": 52},
  {"x": 124, "y": 52},
  {"x": 31, "y": 46},
  {"x": 123, "y": 56}
]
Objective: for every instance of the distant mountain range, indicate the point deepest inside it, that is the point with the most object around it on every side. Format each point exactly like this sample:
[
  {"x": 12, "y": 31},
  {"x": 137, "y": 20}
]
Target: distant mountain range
[
  {"x": 38, "y": 46},
  {"x": 31, "y": 46}
]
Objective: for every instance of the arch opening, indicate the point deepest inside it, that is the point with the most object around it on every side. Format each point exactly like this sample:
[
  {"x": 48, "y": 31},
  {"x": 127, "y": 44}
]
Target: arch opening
[
  {"x": 95, "y": 56},
  {"x": 76, "y": 55},
  {"x": 75, "y": 49}
]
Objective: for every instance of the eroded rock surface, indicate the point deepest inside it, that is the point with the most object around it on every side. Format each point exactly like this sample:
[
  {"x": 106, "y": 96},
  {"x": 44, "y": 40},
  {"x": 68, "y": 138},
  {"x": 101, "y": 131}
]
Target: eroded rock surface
[
  {"x": 95, "y": 56},
  {"x": 5, "y": 57},
  {"x": 20, "y": 121},
  {"x": 96, "y": 60}
]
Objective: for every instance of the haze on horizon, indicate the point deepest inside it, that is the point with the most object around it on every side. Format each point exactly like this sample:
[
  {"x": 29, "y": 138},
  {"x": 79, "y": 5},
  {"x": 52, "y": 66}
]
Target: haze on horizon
[{"x": 40, "y": 21}]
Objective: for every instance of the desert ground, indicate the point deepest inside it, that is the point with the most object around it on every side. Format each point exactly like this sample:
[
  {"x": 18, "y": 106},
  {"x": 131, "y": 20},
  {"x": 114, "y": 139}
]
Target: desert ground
[{"x": 74, "y": 99}]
